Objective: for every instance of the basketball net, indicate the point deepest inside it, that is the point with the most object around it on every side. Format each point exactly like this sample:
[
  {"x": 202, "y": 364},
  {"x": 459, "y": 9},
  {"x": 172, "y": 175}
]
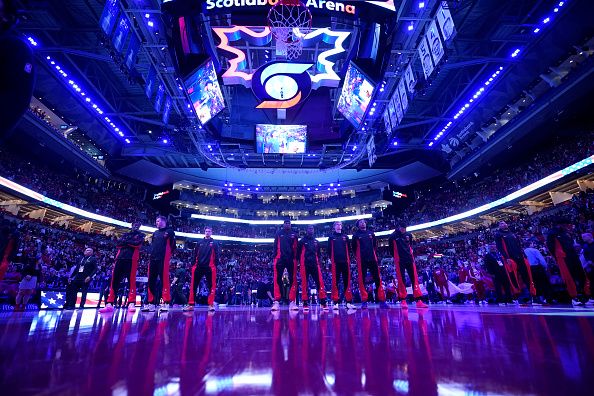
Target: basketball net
[{"x": 289, "y": 22}]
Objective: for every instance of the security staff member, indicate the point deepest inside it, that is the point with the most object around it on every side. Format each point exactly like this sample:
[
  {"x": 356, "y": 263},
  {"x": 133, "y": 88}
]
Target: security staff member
[{"x": 80, "y": 278}]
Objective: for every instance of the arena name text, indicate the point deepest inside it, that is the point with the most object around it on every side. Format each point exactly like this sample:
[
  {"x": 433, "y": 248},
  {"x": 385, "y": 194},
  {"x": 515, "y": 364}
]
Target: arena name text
[{"x": 320, "y": 4}]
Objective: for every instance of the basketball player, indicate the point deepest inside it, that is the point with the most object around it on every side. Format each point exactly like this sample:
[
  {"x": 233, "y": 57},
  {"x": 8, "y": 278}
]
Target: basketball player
[
  {"x": 364, "y": 246},
  {"x": 401, "y": 247},
  {"x": 510, "y": 248},
  {"x": 340, "y": 259},
  {"x": 308, "y": 251},
  {"x": 162, "y": 246},
  {"x": 126, "y": 263},
  {"x": 206, "y": 259},
  {"x": 285, "y": 257}
]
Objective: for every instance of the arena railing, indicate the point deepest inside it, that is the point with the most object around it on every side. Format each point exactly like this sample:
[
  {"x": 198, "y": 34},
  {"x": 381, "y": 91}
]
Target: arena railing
[{"x": 15, "y": 187}]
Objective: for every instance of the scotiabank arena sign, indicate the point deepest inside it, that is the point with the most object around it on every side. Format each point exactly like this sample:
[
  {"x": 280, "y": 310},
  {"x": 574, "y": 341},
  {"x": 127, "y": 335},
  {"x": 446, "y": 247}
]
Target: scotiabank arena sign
[{"x": 327, "y": 5}]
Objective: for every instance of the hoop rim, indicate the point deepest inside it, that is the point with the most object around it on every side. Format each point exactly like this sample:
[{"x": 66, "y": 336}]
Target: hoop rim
[{"x": 289, "y": 3}]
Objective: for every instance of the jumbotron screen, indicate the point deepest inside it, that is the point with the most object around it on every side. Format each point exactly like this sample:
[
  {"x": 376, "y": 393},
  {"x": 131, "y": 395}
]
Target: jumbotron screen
[
  {"x": 281, "y": 139},
  {"x": 355, "y": 96},
  {"x": 205, "y": 92}
]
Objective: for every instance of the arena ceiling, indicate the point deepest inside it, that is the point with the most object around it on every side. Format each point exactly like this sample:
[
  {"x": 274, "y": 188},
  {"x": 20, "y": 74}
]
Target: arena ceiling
[{"x": 487, "y": 34}]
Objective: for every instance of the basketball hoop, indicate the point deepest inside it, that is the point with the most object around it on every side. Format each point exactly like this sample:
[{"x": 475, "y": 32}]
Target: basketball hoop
[{"x": 289, "y": 21}]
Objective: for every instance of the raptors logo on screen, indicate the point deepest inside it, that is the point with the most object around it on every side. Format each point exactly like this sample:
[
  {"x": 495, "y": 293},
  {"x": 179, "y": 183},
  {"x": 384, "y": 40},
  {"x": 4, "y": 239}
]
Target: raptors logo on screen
[{"x": 281, "y": 85}]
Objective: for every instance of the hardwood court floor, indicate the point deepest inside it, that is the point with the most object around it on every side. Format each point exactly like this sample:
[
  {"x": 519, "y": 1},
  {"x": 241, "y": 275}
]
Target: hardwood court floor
[{"x": 249, "y": 351}]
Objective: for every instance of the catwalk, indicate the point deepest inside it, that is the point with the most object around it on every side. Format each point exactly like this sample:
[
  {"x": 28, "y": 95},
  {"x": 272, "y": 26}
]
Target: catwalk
[{"x": 443, "y": 350}]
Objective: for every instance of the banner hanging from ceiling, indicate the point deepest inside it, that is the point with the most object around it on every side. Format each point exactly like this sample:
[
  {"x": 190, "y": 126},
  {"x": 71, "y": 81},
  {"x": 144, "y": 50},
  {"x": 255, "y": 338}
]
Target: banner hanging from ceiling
[
  {"x": 109, "y": 16},
  {"x": 151, "y": 82},
  {"x": 430, "y": 51},
  {"x": 132, "y": 52},
  {"x": 121, "y": 33},
  {"x": 159, "y": 98}
]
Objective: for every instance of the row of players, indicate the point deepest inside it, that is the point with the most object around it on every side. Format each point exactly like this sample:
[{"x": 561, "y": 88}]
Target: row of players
[
  {"x": 290, "y": 254},
  {"x": 506, "y": 262}
]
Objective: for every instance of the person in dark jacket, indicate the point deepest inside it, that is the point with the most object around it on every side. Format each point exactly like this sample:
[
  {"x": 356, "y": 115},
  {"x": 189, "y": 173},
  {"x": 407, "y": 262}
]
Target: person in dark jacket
[
  {"x": 308, "y": 251},
  {"x": 9, "y": 245},
  {"x": 400, "y": 243},
  {"x": 126, "y": 264},
  {"x": 588, "y": 252},
  {"x": 177, "y": 285},
  {"x": 495, "y": 265},
  {"x": 429, "y": 283},
  {"x": 560, "y": 244},
  {"x": 340, "y": 259},
  {"x": 364, "y": 246},
  {"x": 511, "y": 249},
  {"x": 162, "y": 247},
  {"x": 80, "y": 278},
  {"x": 285, "y": 257},
  {"x": 205, "y": 261}
]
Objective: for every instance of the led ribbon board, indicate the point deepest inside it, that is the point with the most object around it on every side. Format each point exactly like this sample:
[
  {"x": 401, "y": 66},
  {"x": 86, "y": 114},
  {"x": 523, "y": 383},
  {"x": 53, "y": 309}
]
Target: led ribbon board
[
  {"x": 259, "y": 36},
  {"x": 10, "y": 185}
]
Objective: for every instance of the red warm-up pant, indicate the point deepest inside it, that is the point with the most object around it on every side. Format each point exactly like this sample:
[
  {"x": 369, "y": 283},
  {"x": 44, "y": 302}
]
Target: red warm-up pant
[
  {"x": 210, "y": 275},
  {"x": 123, "y": 269},
  {"x": 316, "y": 274},
  {"x": 343, "y": 271},
  {"x": 374, "y": 270}
]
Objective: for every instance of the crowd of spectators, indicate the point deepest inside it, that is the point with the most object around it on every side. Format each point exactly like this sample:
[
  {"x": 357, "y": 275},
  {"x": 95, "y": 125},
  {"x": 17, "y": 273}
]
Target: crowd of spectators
[
  {"x": 116, "y": 199},
  {"x": 126, "y": 201},
  {"x": 122, "y": 200},
  {"x": 451, "y": 198},
  {"x": 310, "y": 203},
  {"x": 268, "y": 231},
  {"x": 246, "y": 268},
  {"x": 43, "y": 116}
]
